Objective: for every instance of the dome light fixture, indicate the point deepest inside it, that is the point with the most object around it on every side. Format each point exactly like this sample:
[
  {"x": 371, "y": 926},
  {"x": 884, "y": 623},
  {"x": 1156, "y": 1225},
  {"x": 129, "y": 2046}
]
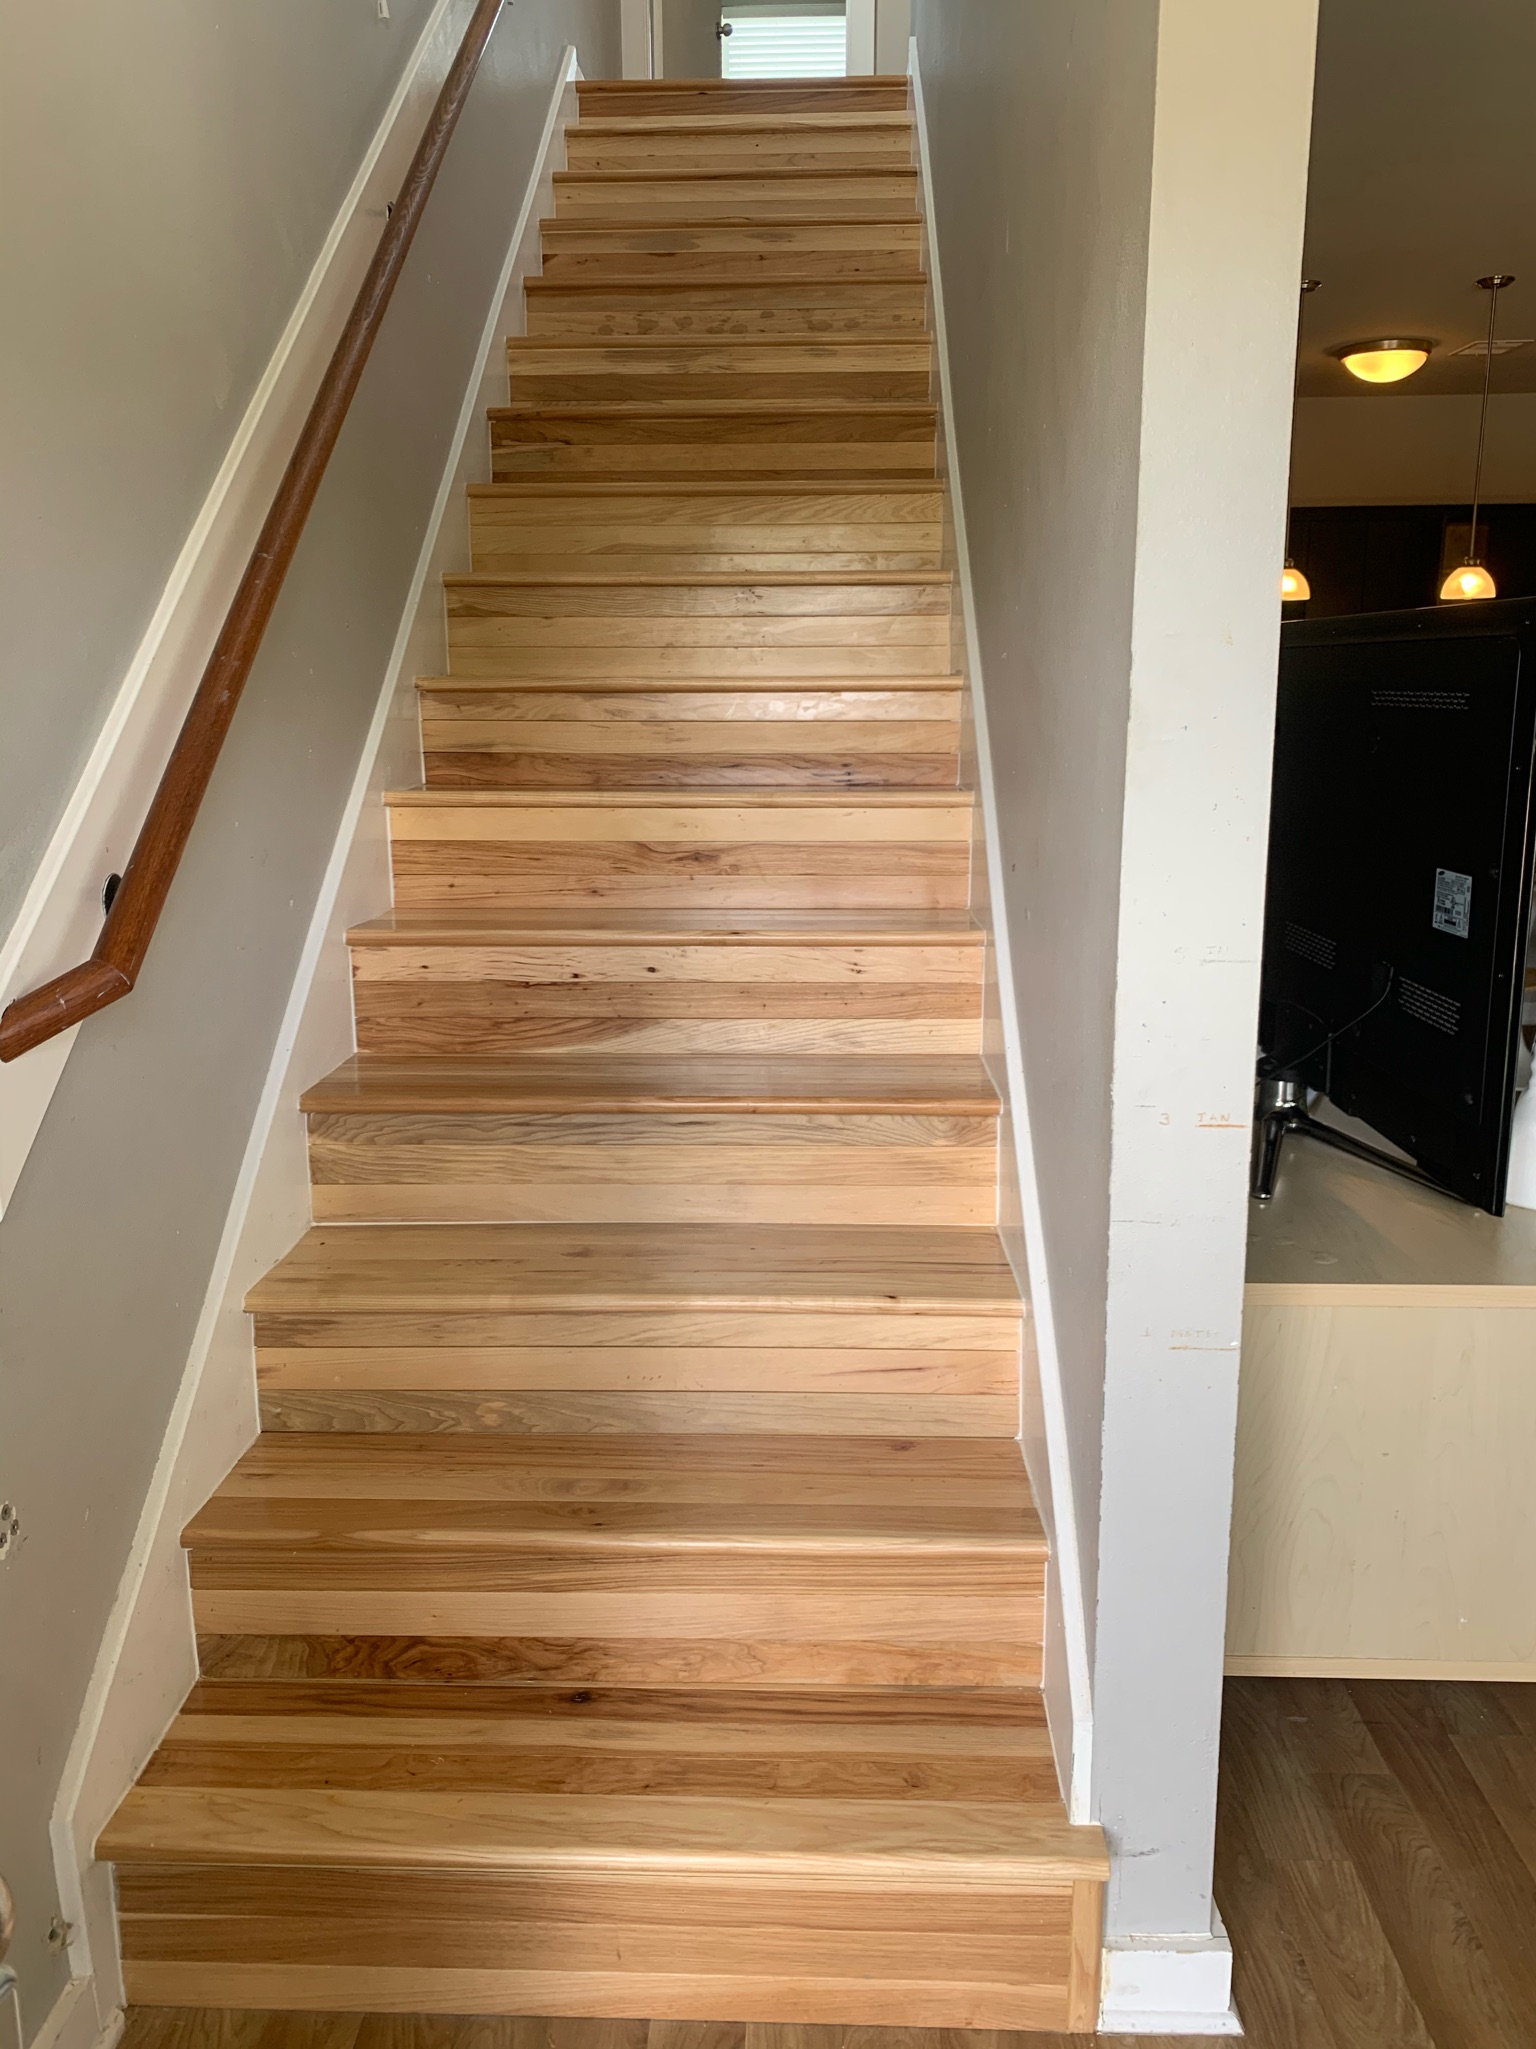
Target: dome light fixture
[
  {"x": 1387, "y": 361},
  {"x": 1472, "y": 580}
]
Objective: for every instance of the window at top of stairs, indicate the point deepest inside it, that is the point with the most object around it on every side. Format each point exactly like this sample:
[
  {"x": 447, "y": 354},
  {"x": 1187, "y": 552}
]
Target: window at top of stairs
[{"x": 785, "y": 39}]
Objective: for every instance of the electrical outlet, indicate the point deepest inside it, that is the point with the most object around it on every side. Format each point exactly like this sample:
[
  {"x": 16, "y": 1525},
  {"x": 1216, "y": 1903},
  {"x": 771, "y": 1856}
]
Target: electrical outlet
[{"x": 383, "y": 10}]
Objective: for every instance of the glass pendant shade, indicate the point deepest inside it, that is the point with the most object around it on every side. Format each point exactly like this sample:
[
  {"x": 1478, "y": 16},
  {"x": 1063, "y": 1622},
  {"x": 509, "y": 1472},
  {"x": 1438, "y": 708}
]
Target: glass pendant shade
[
  {"x": 1384, "y": 362},
  {"x": 1470, "y": 581},
  {"x": 1294, "y": 588}
]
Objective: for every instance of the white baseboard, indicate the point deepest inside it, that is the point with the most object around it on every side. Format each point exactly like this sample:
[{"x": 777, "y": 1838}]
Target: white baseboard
[
  {"x": 1162, "y": 1987},
  {"x": 1067, "y": 1684},
  {"x": 148, "y": 1657},
  {"x": 76, "y": 2021},
  {"x": 61, "y": 914}
]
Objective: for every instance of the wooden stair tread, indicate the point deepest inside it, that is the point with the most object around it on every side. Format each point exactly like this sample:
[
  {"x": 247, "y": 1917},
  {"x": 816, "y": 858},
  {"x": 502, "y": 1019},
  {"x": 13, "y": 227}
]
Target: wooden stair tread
[
  {"x": 524, "y": 1267},
  {"x": 757, "y": 1511},
  {"x": 899, "y": 1842},
  {"x": 575, "y": 1082},
  {"x": 614, "y": 926}
]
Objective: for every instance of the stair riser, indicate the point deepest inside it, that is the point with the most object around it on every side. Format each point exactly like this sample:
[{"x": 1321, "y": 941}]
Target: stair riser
[
  {"x": 654, "y": 858},
  {"x": 603, "y": 257},
  {"x": 835, "y": 195},
  {"x": 698, "y": 630},
  {"x": 343, "y": 1342},
  {"x": 580, "y": 739},
  {"x": 487, "y": 760},
  {"x": 847, "y": 1375},
  {"x": 562, "y": 874},
  {"x": 671, "y": 533},
  {"x": 679, "y": 446},
  {"x": 689, "y": 99},
  {"x": 761, "y": 1168},
  {"x": 743, "y": 155},
  {"x": 713, "y": 1947},
  {"x": 747, "y": 311},
  {"x": 473, "y": 1411},
  {"x": 849, "y": 371},
  {"x": 550, "y": 1653}
]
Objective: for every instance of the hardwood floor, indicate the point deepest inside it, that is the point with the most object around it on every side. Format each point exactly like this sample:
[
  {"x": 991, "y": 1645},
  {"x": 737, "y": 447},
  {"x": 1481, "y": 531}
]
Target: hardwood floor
[
  {"x": 634, "y": 1602},
  {"x": 1376, "y": 1868}
]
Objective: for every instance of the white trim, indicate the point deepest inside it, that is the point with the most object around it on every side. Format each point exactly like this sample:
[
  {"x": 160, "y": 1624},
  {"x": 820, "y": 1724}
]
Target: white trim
[
  {"x": 860, "y": 31},
  {"x": 147, "y": 1658},
  {"x": 75, "y": 2020},
  {"x": 635, "y": 35},
  {"x": 60, "y": 915},
  {"x": 1067, "y": 1678},
  {"x": 1160, "y": 1987}
]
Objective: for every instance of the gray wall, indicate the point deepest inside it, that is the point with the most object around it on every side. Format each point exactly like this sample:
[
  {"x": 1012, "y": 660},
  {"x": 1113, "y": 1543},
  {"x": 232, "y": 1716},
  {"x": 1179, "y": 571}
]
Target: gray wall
[
  {"x": 171, "y": 171},
  {"x": 106, "y": 1252},
  {"x": 1119, "y": 194},
  {"x": 689, "y": 46},
  {"x": 1040, "y": 129}
]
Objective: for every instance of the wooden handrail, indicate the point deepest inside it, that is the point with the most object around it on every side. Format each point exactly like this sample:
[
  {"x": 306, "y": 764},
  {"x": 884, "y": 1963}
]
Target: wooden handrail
[{"x": 115, "y": 965}]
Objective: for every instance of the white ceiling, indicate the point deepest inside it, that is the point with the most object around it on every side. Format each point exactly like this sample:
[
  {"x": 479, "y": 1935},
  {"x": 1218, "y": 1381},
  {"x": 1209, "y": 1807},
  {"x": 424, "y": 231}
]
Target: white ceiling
[{"x": 1423, "y": 179}]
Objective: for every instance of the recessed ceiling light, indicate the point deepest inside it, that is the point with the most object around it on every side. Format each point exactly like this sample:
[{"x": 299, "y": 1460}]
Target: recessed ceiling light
[{"x": 1387, "y": 361}]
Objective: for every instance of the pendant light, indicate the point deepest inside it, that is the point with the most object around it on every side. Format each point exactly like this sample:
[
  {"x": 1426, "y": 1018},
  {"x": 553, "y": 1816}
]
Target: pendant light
[
  {"x": 1294, "y": 588},
  {"x": 1472, "y": 580}
]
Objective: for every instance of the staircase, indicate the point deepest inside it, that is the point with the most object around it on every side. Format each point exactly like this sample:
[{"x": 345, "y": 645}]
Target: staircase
[{"x": 633, "y": 1603}]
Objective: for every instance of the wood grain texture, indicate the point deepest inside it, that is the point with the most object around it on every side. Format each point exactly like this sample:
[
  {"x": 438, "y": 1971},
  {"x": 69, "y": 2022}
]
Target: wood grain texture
[
  {"x": 1382, "y": 1503},
  {"x": 878, "y": 304},
  {"x": 1341, "y": 1941},
  {"x": 693, "y": 436},
  {"x": 641, "y": 1612},
  {"x": 490, "y": 1269}
]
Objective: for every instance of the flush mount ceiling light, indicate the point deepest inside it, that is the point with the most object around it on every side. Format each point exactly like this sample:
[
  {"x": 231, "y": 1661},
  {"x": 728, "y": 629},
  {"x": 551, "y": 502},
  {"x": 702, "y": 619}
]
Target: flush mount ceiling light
[
  {"x": 1387, "y": 361},
  {"x": 1472, "y": 580}
]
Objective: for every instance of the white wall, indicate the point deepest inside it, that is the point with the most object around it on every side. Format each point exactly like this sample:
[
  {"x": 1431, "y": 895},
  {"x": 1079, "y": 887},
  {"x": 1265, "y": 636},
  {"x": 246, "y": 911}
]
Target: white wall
[
  {"x": 169, "y": 171},
  {"x": 1119, "y": 199},
  {"x": 1391, "y": 448},
  {"x": 107, "y": 1249}
]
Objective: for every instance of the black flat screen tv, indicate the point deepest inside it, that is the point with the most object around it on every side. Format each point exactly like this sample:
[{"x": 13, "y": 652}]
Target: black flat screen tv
[{"x": 1400, "y": 874}]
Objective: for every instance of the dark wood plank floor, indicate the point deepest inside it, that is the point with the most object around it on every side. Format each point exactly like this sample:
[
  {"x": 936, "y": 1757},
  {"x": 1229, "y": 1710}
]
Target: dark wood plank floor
[{"x": 1376, "y": 1868}]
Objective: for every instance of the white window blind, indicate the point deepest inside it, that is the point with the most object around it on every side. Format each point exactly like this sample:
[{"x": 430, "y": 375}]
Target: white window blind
[{"x": 785, "y": 39}]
